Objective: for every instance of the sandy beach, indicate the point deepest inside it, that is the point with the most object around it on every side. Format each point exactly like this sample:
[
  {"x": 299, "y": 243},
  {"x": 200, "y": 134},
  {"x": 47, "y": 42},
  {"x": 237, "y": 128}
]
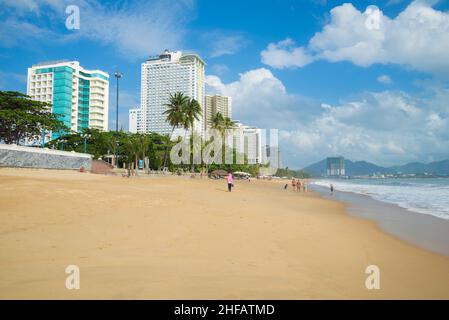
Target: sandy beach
[{"x": 180, "y": 238}]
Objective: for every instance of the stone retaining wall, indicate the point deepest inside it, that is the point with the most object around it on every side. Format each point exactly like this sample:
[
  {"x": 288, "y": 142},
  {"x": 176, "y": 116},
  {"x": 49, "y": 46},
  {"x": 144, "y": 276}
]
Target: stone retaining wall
[{"x": 29, "y": 157}]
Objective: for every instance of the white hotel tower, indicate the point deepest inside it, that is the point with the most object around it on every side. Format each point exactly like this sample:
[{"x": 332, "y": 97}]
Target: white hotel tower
[
  {"x": 166, "y": 74},
  {"x": 79, "y": 96}
]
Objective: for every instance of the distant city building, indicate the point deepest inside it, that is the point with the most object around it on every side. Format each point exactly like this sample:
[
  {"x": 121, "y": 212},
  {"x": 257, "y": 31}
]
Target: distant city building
[
  {"x": 335, "y": 166},
  {"x": 249, "y": 140},
  {"x": 78, "y": 95},
  {"x": 216, "y": 104},
  {"x": 166, "y": 74},
  {"x": 272, "y": 156},
  {"x": 135, "y": 119}
]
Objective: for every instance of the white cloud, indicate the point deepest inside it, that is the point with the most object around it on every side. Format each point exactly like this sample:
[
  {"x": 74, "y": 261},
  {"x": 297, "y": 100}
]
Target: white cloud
[
  {"x": 224, "y": 43},
  {"x": 258, "y": 96},
  {"x": 33, "y": 6},
  {"x": 284, "y": 54},
  {"x": 417, "y": 38},
  {"x": 385, "y": 128},
  {"x": 135, "y": 29},
  {"x": 219, "y": 69},
  {"x": 385, "y": 79},
  {"x": 388, "y": 127},
  {"x": 25, "y": 5}
]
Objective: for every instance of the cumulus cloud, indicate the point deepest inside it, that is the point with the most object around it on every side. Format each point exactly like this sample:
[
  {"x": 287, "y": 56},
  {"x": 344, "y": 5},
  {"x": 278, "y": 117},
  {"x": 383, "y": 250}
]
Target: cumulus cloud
[
  {"x": 258, "y": 97},
  {"x": 284, "y": 54},
  {"x": 417, "y": 38},
  {"x": 388, "y": 127},
  {"x": 135, "y": 29},
  {"x": 385, "y": 79}
]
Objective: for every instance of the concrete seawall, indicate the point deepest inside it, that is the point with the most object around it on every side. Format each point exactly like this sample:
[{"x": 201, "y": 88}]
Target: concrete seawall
[{"x": 29, "y": 157}]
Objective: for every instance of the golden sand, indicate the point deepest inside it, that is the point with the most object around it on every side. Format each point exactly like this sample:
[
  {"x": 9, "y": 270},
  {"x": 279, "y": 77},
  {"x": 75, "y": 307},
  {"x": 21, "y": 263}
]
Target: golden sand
[{"x": 180, "y": 238}]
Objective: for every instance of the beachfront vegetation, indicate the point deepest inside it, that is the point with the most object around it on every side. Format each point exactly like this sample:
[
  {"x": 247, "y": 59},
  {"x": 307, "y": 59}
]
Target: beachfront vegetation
[
  {"x": 23, "y": 119},
  {"x": 182, "y": 111},
  {"x": 174, "y": 114},
  {"x": 220, "y": 123},
  {"x": 133, "y": 147},
  {"x": 300, "y": 174}
]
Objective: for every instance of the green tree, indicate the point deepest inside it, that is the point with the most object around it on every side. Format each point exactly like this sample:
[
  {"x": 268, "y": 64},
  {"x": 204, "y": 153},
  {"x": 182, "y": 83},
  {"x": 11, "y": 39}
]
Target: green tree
[
  {"x": 192, "y": 111},
  {"x": 228, "y": 123},
  {"x": 220, "y": 123},
  {"x": 217, "y": 122},
  {"x": 175, "y": 114},
  {"x": 22, "y": 118}
]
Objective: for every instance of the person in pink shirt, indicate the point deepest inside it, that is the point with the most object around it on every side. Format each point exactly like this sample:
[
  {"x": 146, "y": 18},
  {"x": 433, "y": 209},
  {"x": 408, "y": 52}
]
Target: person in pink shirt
[{"x": 230, "y": 180}]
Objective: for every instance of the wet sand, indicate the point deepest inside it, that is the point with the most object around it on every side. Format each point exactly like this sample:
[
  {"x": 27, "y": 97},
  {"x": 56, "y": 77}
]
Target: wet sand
[
  {"x": 180, "y": 238},
  {"x": 422, "y": 230}
]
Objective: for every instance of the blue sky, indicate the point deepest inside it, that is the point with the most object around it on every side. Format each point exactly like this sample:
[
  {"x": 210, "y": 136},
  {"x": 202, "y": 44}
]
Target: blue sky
[{"x": 335, "y": 78}]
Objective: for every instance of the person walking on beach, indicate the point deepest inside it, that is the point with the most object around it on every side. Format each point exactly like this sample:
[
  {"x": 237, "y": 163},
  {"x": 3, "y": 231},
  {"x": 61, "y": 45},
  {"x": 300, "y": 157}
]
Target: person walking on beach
[
  {"x": 230, "y": 180},
  {"x": 298, "y": 185},
  {"x": 294, "y": 184}
]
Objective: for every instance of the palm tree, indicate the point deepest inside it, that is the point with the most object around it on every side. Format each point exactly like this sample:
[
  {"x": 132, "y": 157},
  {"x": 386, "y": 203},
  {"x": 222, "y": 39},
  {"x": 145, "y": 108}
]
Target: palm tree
[
  {"x": 175, "y": 113},
  {"x": 131, "y": 150},
  {"x": 143, "y": 142},
  {"x": 192, "y": 111},
  {"x": 217, "y": 122},
  {"x": 222, "y": 124},
  {"x": 228, "y": 123}
]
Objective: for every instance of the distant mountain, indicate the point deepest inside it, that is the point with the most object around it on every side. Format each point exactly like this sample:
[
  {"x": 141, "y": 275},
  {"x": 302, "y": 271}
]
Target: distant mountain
[
  {"x": 359, "y": 168},
  {"x": 437, "y": 167},
  {"x": 316, "y": 169}
]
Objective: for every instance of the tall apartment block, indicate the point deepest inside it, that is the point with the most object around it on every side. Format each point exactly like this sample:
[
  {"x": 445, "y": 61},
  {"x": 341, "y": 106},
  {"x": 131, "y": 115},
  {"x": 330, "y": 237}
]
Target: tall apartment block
[
  {"x": 166, "y": 74},
  {"x": 335, "y": 166},
  {"x": 135, "y": 119},
  {"x": 249, "y": 140},
  {"x": 78, "y": 95},
  {"x": 216, "y": 104}
]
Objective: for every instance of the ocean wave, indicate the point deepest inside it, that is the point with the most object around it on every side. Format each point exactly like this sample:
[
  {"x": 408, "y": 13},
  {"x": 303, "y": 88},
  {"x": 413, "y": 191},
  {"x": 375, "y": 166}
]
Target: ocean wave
[{"x": 426, "y": 197}]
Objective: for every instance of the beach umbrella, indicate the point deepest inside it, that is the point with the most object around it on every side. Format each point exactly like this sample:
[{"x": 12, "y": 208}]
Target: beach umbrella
[
  {"x": 241, "y": 173},
  {"x": 219, "y": 172}
]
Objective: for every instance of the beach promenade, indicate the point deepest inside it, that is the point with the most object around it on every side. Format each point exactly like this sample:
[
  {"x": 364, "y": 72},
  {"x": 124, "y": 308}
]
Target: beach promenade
[{"x": 179, "y": 238}]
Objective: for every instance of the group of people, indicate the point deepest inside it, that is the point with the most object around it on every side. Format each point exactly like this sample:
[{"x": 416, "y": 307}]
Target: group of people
[{"x": 298, "y": 184}]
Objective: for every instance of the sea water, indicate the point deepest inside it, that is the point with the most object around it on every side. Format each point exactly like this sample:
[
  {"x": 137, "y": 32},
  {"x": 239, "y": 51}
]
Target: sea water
[{"x": 421, "y": 195}]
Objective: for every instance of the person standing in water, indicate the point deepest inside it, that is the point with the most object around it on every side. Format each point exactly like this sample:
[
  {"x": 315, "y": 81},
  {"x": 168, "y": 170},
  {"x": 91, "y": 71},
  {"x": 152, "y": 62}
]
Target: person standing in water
[
  {"x": 332, "y": 188},
  {"x": 230, "y": 180}
]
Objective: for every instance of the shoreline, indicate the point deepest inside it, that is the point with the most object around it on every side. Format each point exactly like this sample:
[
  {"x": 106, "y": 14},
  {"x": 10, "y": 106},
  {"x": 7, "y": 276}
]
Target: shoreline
[
  {"x": 422, "y": 230},
  {"x": 182, "y": 238}
]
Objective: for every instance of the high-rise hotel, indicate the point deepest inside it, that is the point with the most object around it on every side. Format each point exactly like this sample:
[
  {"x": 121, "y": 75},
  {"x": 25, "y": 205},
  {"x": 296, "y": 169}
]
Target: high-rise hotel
[
  {"x": 217, "y": 104},
  {"x": 78, "y": 95},
  {"x": 166, "y": 74}
]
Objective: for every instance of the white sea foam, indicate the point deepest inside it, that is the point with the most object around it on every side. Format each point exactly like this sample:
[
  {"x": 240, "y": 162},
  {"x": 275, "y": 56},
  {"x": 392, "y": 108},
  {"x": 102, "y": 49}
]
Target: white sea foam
[{"x": 427, "y": 196}]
